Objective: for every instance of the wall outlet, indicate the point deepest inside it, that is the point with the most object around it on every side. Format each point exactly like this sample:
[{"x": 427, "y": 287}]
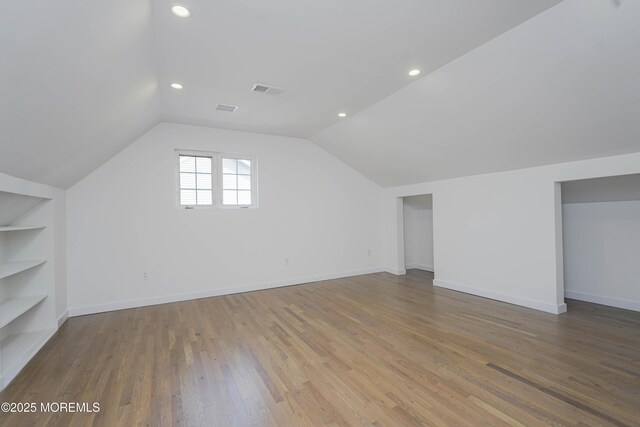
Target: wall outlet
[
  {"x": 368, "y": 252},
  {"x": 145, "y": 276},
  {"x": 286, "y": 261}
]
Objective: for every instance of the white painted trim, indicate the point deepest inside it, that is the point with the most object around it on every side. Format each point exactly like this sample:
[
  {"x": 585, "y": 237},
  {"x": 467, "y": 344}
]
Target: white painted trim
[
  {"x": 63, "y": 318},
  {"x": 122, "y": 305},
  {"x": 537, "y": 305},
  {"x": 419, "y": 266},
  {"x": 598, "y": 299},
  {"x": 396, "y": 271}
]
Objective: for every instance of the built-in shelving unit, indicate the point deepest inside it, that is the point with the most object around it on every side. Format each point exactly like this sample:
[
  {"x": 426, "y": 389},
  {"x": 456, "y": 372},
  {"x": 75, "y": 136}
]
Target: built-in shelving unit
[
  {"x": 13, "y": 308},
  {"x": 10, "y": 268},
  {"x": 27, "y": 281},
  {"x": 16, "y": 348}
]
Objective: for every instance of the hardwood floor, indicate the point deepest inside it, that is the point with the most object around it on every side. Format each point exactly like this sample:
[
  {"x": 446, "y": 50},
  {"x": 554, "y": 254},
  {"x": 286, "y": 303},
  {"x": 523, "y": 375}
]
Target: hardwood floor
[{"x": 374, "y": 350}]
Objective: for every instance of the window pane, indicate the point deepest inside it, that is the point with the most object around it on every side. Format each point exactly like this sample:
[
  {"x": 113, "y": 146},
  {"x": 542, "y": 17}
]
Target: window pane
[
  {"x": 244, "y": 197},
  {"x": 244, "y": 182},
  {"x": 230, "y": 197},
  {"x": 204, "y": 182},
  {"x": 244, "y": 167},
  {"x": 188, "y": 180},
  {"x": 187, "y": 164},
  {"x": 229, "y": 166},
  {"x": 203, "y": 164},
  {"x": 229, "y": 182},
  {"x": 187, "y": 197},
  {"x": 204, "y": 197}
]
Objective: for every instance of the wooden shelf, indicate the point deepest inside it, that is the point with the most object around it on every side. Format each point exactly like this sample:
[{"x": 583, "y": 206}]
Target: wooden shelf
[
  {"x": 10, "y": 268},
  {"x": 21, "y": 227},
  {"x": 13, "y": 308}
]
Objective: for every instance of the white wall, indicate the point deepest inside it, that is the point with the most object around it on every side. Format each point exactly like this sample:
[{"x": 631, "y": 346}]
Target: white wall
[
  {"x": 499, "y": 235},
  {"x": 123, "y": 220},
  {"x": 418, "y": 232},
  {"x": 601, "y": 252},
  {"x": 597, "y": 190}
]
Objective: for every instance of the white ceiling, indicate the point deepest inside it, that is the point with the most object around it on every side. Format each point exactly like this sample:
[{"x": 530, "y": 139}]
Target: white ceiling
[
  {"x": 82, "y": 79},
  {"x": 329, "y": 56},
  {"x": 563, "y": 86},
  {"x": 77, "y": 84}
]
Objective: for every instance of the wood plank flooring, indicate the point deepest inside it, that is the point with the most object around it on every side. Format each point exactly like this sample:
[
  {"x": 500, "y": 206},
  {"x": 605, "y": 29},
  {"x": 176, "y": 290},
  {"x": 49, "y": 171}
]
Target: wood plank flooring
[{"x": 373, "y": 350}]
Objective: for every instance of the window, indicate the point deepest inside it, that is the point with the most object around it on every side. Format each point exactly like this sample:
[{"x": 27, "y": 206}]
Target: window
[
  {"x": 196, "y": 180},
  {"x": 213, "y": 179},
  {"x": 236, "y": 182}
]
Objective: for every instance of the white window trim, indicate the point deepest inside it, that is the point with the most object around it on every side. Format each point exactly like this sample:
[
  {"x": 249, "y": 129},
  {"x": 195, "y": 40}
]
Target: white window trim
[
  {"x": 254, "y": 180},
  {"x": 216, "y": 177},
  {"x": 213, "y": 177}
]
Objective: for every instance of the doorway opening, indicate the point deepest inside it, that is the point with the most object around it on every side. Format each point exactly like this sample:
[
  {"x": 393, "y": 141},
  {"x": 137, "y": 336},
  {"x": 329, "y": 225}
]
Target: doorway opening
[
  {"x": 418, "y": 234},
  {"x": 601, "y": 240}
]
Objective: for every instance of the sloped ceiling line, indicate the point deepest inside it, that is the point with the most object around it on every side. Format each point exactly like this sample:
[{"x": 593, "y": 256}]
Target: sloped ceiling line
[{"x": 507, "y": 83}]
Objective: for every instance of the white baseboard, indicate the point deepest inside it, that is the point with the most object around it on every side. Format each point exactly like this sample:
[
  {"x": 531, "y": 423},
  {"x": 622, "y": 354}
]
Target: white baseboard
[
  {"x": 538, "y": 305},
  {"x": 419, "y": 266},
  {"x": 598, "y": 299},
  {"x": 396, "y": 271},
  {"x": 122, "y": 305},
  {"x": 63, "y": 318}
]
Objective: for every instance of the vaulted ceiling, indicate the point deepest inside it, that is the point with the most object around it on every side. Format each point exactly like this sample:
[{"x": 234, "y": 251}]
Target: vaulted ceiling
[
  {"x": 78, "y": 82},
  {"x": 505, "y": 83},
  {"x": 330, "y": 56},
  {"x": 562, "y": 86},
  {"x": 82, "y": 79}
]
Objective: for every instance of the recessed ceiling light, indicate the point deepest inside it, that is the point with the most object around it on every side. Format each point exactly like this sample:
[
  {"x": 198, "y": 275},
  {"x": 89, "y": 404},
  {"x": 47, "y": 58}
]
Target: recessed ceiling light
[
  {"x": 180, "y": 11},
  {"x": 414, "y": 73},
  {"x": 176, "y": 85},
  {"x": 342, "y": 115}
]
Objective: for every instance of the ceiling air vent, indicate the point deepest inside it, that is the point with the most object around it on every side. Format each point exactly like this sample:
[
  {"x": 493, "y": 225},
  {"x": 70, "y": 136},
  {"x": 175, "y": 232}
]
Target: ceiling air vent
[
  {"x": 226, "y": 107},
  {"x": 268, "y": 89}
]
